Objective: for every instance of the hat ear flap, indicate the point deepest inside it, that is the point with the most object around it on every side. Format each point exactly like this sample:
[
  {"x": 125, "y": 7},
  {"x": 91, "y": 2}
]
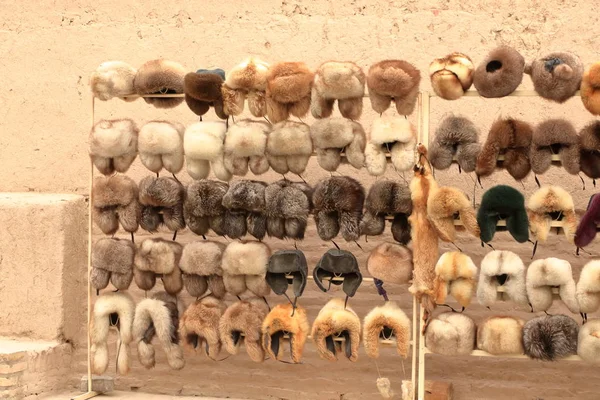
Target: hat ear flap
[{"x": 518, "y": 226}]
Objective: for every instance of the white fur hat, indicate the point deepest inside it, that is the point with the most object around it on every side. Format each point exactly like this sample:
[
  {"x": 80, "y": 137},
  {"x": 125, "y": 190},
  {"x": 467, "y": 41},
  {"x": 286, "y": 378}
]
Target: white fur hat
[
  {"x": 341, "y": 81},
  {"x": 245, "y": 145},
  {"x": 245, "y": 268},
  {"x": 588, "y": 343},
  {"x": 160, "y": 144},
  {"x": 451, "y": 334},
  {"x": 113, "y": 79},
  {"x": 203, "y": 148},
  {"x": 501, "y": 269},
  {"x": 588, "y": 287},
  {"x": 113, "y": 145},
  {"x": 542, "y": 276},
  {"x": 394, "y": 135},
  {"x": 331, "y": 136},
  {"x": 289, "y": 147}
]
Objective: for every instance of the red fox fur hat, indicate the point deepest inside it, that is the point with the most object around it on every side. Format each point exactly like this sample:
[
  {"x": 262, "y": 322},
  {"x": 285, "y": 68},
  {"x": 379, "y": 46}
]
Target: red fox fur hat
[
  {"x": 500, "y": 73},
  {"x": 386, "y": 322},
  {"x": 283, "y": 320},
  {"x": 203, "y": 90},
  {"x": 201, "y": 267},
  {"x": 162, "y": 203},
  {"x": 115, "y": 200},
  {"x": 501, "y": 335},
  {"x": 288, "y": 90},
  {"x": 160, "y": 144},
  {"x": 393, "y": 135},
  {"x": 199, "y": 325},
  {"x": 289, "y": 147},
  {"x": 542, "y": 276},
  {"x": 451, "y": 76},
  {"x": 451, "y": 334},
  {"x": 158, "y": 316},
  {"x": 112, "y": 259},
  {"x": 391, "y": 263},
  {"x": 588, "y": 287},
  {"x": 113, "y": 145},
  {"x": 556, "y": 76},
  {"x": 245, "y": 268},
  {"x": 501, "y": 269},
  {"x": 246, "y": 80},
  {"x": 243, "y": 319},
  {"x": 203, "y": 148},
  {"x": 587, "y": 228},
  {"x": 550, "y": 337},
  {"x": 442, "y": 206},
  {"x": 331, "y": 136},
  {"x": 245, "y": 202},
  {"x": 590, "y": 89},
  {"x": 341, "y": 81},
  {"x": 160, "y": 77},
  {"x": 396, "y": 80},
  {"x": 554, "y": 136},
  {"x": 333, "y": 321},
  {"x": 589, "y": 149},
  {"x": 158, "y": 257},
  {"x": 111, "y": 309},
  {"x": 544, "y": 205},
  {"x": 245, "y": 146},
  {"x": 203, "y": 208},
  {"x": 287, "y": 207},
  {"x": 113, "y": 79},
  {"x": 455, "y": 137},
  {"x": 455, "y": 274},
  {"x": 588, "y": 343}
]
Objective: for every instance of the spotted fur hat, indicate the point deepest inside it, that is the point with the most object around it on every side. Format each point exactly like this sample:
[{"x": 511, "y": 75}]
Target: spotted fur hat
[
  {"x": 203, "y": 208},
  {"x": 161, "y": 200},
  {"x": 287, "y": 208},
  {"x": 245, "y": 202}
]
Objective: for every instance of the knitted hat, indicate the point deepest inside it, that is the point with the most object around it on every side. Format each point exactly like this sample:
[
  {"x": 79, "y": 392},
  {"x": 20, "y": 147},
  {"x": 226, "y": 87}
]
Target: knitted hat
[
  {"x": 386, "y": 322},
  {"x": 112, "y": 259},
  {"x": 393, "y": 135},
  {"x": 451, "y": 334},
  {"x": 203, "y": 90},
  {"x": 451, "y": 76},
  {"x": 499, "y": 203},
  {"x": 282, "y": 320},
  {"x": 284, "y": 263},
  {"x": 338, "y": 264},
  {"x": 203, "y": 208},
  {"x": 113, "y": 79},
  {"x": 332, "y": 136},
  {"x": 443, "y": 205},
  {"x": 113, "y": 145},
  {"x": 245, "y": 145},
  {"x": 589, "y": 149},
  {"x": 590, "y": 88},
  {"x": 162, "y": 203},
  {"x": 201, "y": 267},
  {"x": 246, "y": 80},
  {"x": 287, "y": 207},
  {"x": 501, "y": 269},
  {"x": 203, "y": 147},
  {"x": 243, "y": 319},
  {"x": 288, "y": 90},
  {"x": 245, "y": 268},
  {"x": 391, "y": 263},
  {"x": 500, "y": 73},
  {"x": 547, "y": 204},
  {"x": 199, "y": 325},
  {"x": 289, "y": 147},
  {"x": 588, "y": 287},
  {"x": 588, "y": 343},
  {"x": 160, "y": 144},
  {"x": 550, "y": 337},
  {"x": 160, "y": 77},
  {"x": 588, "y": 226},
  {"x": 556, "y": 76},
  {"x": 542, "y": 276},
  {"x": 456, "y": 137},
  {"x": 245, "y": 202},
  {"x": 158, "y": 257},
  {"x": 455, "y": 274},
  {"x": 341, "y": 81},
  {"x": 501, "y": 335},
  {"x": 115, "y": 201},
  {"x": 396, "y": 80},
  {"x": 554, "y": 136},
  {"x": 336, "y": 321}
]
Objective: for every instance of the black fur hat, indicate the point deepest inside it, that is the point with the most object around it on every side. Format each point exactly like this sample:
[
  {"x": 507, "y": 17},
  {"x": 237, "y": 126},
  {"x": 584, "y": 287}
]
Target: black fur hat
[
  {"x": 503, "y": 202},
  {"x": 288, "y": 205},
  {"x": 550, "y": 337},
  {"x": 338, "y": 263},
  {"x": 456, "y": 136},
  {"x": 245, "y": 200},
  {"x": 162, "y": 203},
  {"x": 287, "y": 262}
]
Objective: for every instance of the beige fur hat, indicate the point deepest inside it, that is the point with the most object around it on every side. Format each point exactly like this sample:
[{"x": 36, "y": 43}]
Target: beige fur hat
[
  {"x": 113, "y": 79},
  {"x": 161, "y": 200},
  {"x": 590, "y": 89},
  {"x": 160, "y": 77},
  {"x": 160, "y": 144},
  {"x": 393, "y": 135},
  {"x": 588, "y": 343},
  {"x": 542, "y": 276},
  {"x": 501, "y": 269},
  {"x": 245, "y": 268},
  {"x": 113, "y": 145},
  {"x": 203, "y": 148},
  {"x": 247, "y": 80},
  {"x": 199, "y": 325},
  {"x": 115, "y": 200},
  {"x": 443, "y": 205},
  {"x": 288, "y": 90},
  {"x": 200, "y": 264},
  {"x": 243, "y": 320},
  {"x": 158, "y": 257},
  {"x": 396, "y": 80},
  {"x": 551, "y": 203},
  {"x": 500, "y": 73},
  {"x": 289, "y": 147},
  {"x": 455, "y": 274},
  {"x": 588, "y": 287},
  {"x": 391, "y": 263},
  {"x": 285, "y": 319},
  {"x": 336, "y": 320},
  {"x": 451, "y": 334},
  {"x": 112, "y": 259},
  {"x": 332, "y": 136},
  {"x": 386, "y": 322},
  {"x": 341, "y": 81},
  {"x": 451, "y": 76},
  {"x": 245, "y": 146},
  {"x": 501, "y": 335}
]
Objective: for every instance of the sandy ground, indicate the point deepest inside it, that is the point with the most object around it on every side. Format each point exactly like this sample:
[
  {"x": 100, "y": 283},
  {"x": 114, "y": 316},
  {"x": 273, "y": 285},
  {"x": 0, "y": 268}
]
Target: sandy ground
[{"x": 120, "y": 395}]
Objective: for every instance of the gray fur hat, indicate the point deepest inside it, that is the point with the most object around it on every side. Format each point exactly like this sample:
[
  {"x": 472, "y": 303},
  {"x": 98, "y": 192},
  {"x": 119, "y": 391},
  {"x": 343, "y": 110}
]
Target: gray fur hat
[
  {"x": 158, "y": 257},
  {"x": 550, "y": 337},
  {"x": 112, "y": 259},
  {"x": 332, "y": 136},
  {"x": 113, "y": 145},
  {"x": 287, "y": 207},
  {"x": 554, "y": 136},
  {"x": 337, "y": 263},
  {"x": 115, "y": 200},
  {"x": 160, "y": 77},
  {"x": 200, "y": 264},
  {"x": 203, "y": 208},
  {"x": 455, "y": 137},
  {"x": 161, "y": 199},
  {"x": 245, "y": 202},
  {"x": 557, "y": 76}
]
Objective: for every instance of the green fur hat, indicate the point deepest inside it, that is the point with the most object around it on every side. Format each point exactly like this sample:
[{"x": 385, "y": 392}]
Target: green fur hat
[{"x": 503, "y": 203}]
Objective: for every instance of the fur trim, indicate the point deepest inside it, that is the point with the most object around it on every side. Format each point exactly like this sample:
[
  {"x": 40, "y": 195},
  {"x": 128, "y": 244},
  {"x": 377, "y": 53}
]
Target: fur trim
[
  {"x": 589, "y": 149},
  {"x": 451, "y": 334},
  {"x": 334, "y": 320},
  {"x": 203, "y": 208},
  {"x": 542, "y": 276},
  {"x": 500, "y": 73},
  {"x": 499, "y": 202},
  {"x": 245, "y": 201},
  {"x": 199, "y": 325},
  {"x": 550, "y": 337},
  {"x": 289, "y": 147},
  {"x": 284, "y": 263},
  {"x": 387, "y": 198},
  {"x": 288, "y": 90},
  {"x": 200, "y": 260},
  {"x": 456, "y": 137},
  {"x": 331, "y": 136},
  {"x": 542, "y": 206},
  {"x": 501, "y": 268},
  {"x": 451, "y": 76},
  {"x": 391, "y": 263},
  {"x": 501, "y": 335},
  {"x": 244, "y": 319},
  {"x": 287, "y": 205},
  {"x": 588, "y": 226},
  {"x": 455, "y": 274},
  {"x": 341, "y": 264},
  {"x": 588, "y": 287},
  {"x": 554, "y": 136},
  {"x": 556, "y": 76},
  {"x": 160, "y": 77},
  {"x": 381, "y": 323},
  {"x": 113, "y": 145},
  {"x": 246, "y": 80},
  {"x": 160, "y": 144},
  {"x": 203, "y": 143},
  {"x": 116, "y": 201},
  {"x": 396, "y": 80},
  {"x": 393, "y": 135},
  {"x": 341, "y": 81},
  {"x": 112, "y": 258},
  {"x": 162, "y": 203},
  {"x": 203, "y": 90},
  {"x": 158, "y": 257},
  {"x": 245, "y": 267},
  {"x": 590, "y": 89},
  {"x": 282, "y": 320},
  {"x": 442, "y": 206},
  {"x": 245, "y": 145},
  {"x": 113, "y": 79},
  {"x": 588, "y": 343}
]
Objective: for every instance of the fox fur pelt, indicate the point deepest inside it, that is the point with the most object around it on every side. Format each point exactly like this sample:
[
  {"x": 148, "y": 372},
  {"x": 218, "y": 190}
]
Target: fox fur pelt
[
  {"x": 287, "y": 207},
  {"x": 335, "y": 320},
  {"x": 554, "y": 136},
  {"x": 542, "y": 276},
  {"x": 332, "y": 136},
  {"x": 456, "y": 137},
  {"x": 391, "y": 263},
  {"x": 586, "y": 230},
  {"x": 501, "y": 268},
  {"x": 245, "y": 145},
  {"x": 451, "y": 76},
  {"x": 588, "y": 343},
  {"x": 288, "y": 90},
  {"x": 589, "y": 149},
  {"x": 590, "y": 89},
  {"x": 455, "y": 274},
  {"x": 161, "y": 200},
  {"x": 199, "y": 325},
  {"x": 550, "y": 337},
  {"x": 384, "y": 322},
  {"x": 160, "y": 144},
  {"x": 200, "y": 264},
  {"x": 247, "y": 80},
  {"x": 442, "y": 206},
  {"x": 501, "y": 335},
  {"x": 245, "y": 201},
  {"x": 113, "y": 145},
  {"x": 284, "y": 319},
  {"x": 289, "y": 147},
  {"x": 542, "y": 206},
  {"x": 557, "y": 76},
  {"x": 393, "y": 135},
  {"x": 244, "y": 319},
  {"x": 588, "y": 287},
  {"x": 245, "y": 267},
  {"x": 203, "y": 90},
  {"x": 500, "y": 73},
  {"x": 396, "y": 80},
  {"x": 113, "y": 79},
  {"x": 203, "y": 208},
  {"x": 451, "y": 334},
  {"x": 158, "y": 257},
  {"x": 341, "y": 81},
  {"x": 116, "y": 201},
  {"x": 203, "y": 147},
  {"x": 160, "y": 77},
  {"x": 112, "y": 259}
]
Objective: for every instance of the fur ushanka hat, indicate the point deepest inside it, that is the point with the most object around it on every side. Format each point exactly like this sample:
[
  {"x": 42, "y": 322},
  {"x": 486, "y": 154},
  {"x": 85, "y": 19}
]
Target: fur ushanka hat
[
  {"x": 501, "y": 269},
  {"x": 338, "y": 202},
  {"x": 284, "y": 263},
  {"x": 443, "y": 205},
  {"x": 116, "y": 201},
  {"x": 341, "y": 81},
  {"x": 556, "y": 76},
  {"x": 451, "y": 76},
  {"x": 455, "y": 137},
  {"x": 333, "y": 321},
  {"x": 246, "y": 80},
  {"x": 111, "y": 309},
  {"x": 396, "y": 80},
  {"x": 386, "y": 322},
  {"x": 245, "y": 268},
  {"x": 589, "y": 149},
  {"x": 243, "y": 319},
  {"x": 203, "y": 147},
  {"x": 287, "y": 207},
  {"x": 331, "y": 136},
  {"x": 511, "y": 137},
  {"x": 500, "y": 73},
  {"x": 588, "y": 226},
  {"x": 391, "y": 263},
  {"x": 588, "y": 343},
  {"x": 245, "y": 202},
  {"x": 501, "y": 335},
  {"x": 455, "y": 274},
  {"x": 550, "y": 337},
  {"x": 588, "y": 287},
  {"x": 342, "y": 264},
  {"x": 112, "y": 259},
  {"x": 393, "y": 135},
  {"x": 288, "y": 90},
  {"x": 158, "y": 257},
  {"x": 200, "y": 264},
  {"x": 199, "y": 325},
  {"x": 245, "y": 145},
  {"x": 282, "y": 320},
  {"x": 160, "y": 77},
  {"x": 289, "y": 147},
  {"x": 554, "y": 136},
  {"x": 160, "y": 144},
  {"x": 542, "y": 276},
  {"x": 162, "y": 203},
  {"x": 547, "y": 204},
  {"x": 203, "y": 90},
  {"x": 451, "y": 334},
  {"x": 203, "y": 208},
  {"x": 590, "y": 89},
  {"x": 113, "y": 79},
  {"x": 503, "y": 202},
  {"x": 113, "y": 145}
]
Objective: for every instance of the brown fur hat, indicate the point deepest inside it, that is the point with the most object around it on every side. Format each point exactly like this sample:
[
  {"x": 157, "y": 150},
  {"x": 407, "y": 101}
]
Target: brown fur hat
[
  {"x": 451, "y": 334},
  {"x": 550, "y": 337},
  {"x": 200, "y": 264},
  {"x": 203, "y": 90},
  {"x": 556, "y": 76},
  {"x": 243, "y": 319},
  {"x": 199, "y": 325},
  {"x": 331, "y": 136},
  {"x": 113, "y": 79},
  {"x": 162, "y": 203},
  {"x": 245, "y": 267},
  {"x": 113, "y": 145},
  {"x": 551, "y": 203},
  {"x": 203, "y": 148},
  {"x": 115, "y": 200},
  {"x": 545, "y": 274},
  {"x": 112, "y": 259},
  {"x": 386, "y": 322},
  {"x": 590, "y": 89},
  {"x": 396, "y": 80},
  {"x": 451, "y": 76},
  {"x": 588, "y": 287},
  {"x": 338, "y": 202},
  {"x": 203, "y": 208},
  {"x": 455, "y": 274},
  {"x": 589, "y": 149},
  {"x": 393, "y": 135},
  {"x": 333, "y": 321},
  {"x": 588, "y": 343},
  {"x": 160, "y": 144},
  {"x": 456, "y": 137},
  {"x": 443, "y": 205},
  {"x": 158, "y": 257},
  {"x": 245, "y": 202},
  {"x": 289, "y": 147},
  {"x": 160, "y": 77},
  {"x": 246, "y": 80},
  {"x": 287, "y": 207},
  {"x": 501, "y": 335},
  {"x": 500, "y": 73},
  {"x": 341, "y": 81},
  {"x": 284, "y": 320},
  {"x": 391, "y": 263},
  {"x": 501, "y": 269},
  {"x": 554, "y": 136},
  {"x": 288, "y": 90},
  {"x": 245, "y": 146},
  {"x": 509, "y": 136}
]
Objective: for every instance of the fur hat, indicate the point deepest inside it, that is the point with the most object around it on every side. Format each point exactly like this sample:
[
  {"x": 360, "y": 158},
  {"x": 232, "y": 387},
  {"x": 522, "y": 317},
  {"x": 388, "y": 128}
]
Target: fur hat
[
  {"x": 588, "y": 343},
  {"x": 451, "y": 76},
  {"x": 203, "y": 208},
  {"x": 393, "y": 135},
  {"x": 199, "y": 325},
  {"x": 455, "y": 274},
  {"x": 245, "y": 268},
  {"x": 201, "y": 267},
  {"x": 288, "y": 206},
  {"x": 289, "y": 147},
  {"x": 333, "y": 321},
  {"x": 451, "y": 334},
  {"x": 203, "y": 90},
  {"x": 245, "y": 202},
  {"x": 115, "y": 200},
  {"x": 503, "y": 202},
  {"x": 501, "y": 335},
  {"x": 443, "y": 205},
  {"x": 111, "y": 309},
  {"x": 500, "y": 73},
  {"x": 501, "y": 269},
  {"x": 158, "y": 257},
  {"x": 244, "y": 319},
  {"x": 203, "y": 147},
  {"x": 589, "y": 149},
  {"x": 160, "y": 77},
  {"x": 113, "y": 79},
  {"x": 588, "y": 287},
  {"x": 338, "y": 264},
  {"x": 113, "y": 145},
  {"x": 245, "y": 146},
  {"x": 112, "y": 259},
  {"x": 158, "y": 316},
  {"x": 391, "y": 263},
  {"x": 285, "y": 319},
  {"x": 509, "y": 136},
  {"x": 556, "y": 76},
  {"x": 162, "y": 203},
  {"x": 455, "y": 137},
  {"x": 547, "y": 204},
  {"x": 590, "y": 86},
  {"x": 554, "y": 136},
  {"x": 160, "y": 144},
  {"x": 542, "y": 276},
  {"x": 387, "y": 198},
  {"x": 396, "y": 80},
  {"x": 341, "y": 81},
  {"x": 338, "y": 202},
  {"x": 550, "y": 337},
  {"x": 588, "y": 226},
  {"x": 385, "y": 322},
  {"x": 288, "y": 90},
  {"x": 283, "y": 263},
  {"x": 246, "y": 80},
  {"x": 332, "y": 136}
]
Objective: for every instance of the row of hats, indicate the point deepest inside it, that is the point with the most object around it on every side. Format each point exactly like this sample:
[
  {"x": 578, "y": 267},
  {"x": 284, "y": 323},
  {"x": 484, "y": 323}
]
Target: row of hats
[{"x": 211, "y": 325}]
